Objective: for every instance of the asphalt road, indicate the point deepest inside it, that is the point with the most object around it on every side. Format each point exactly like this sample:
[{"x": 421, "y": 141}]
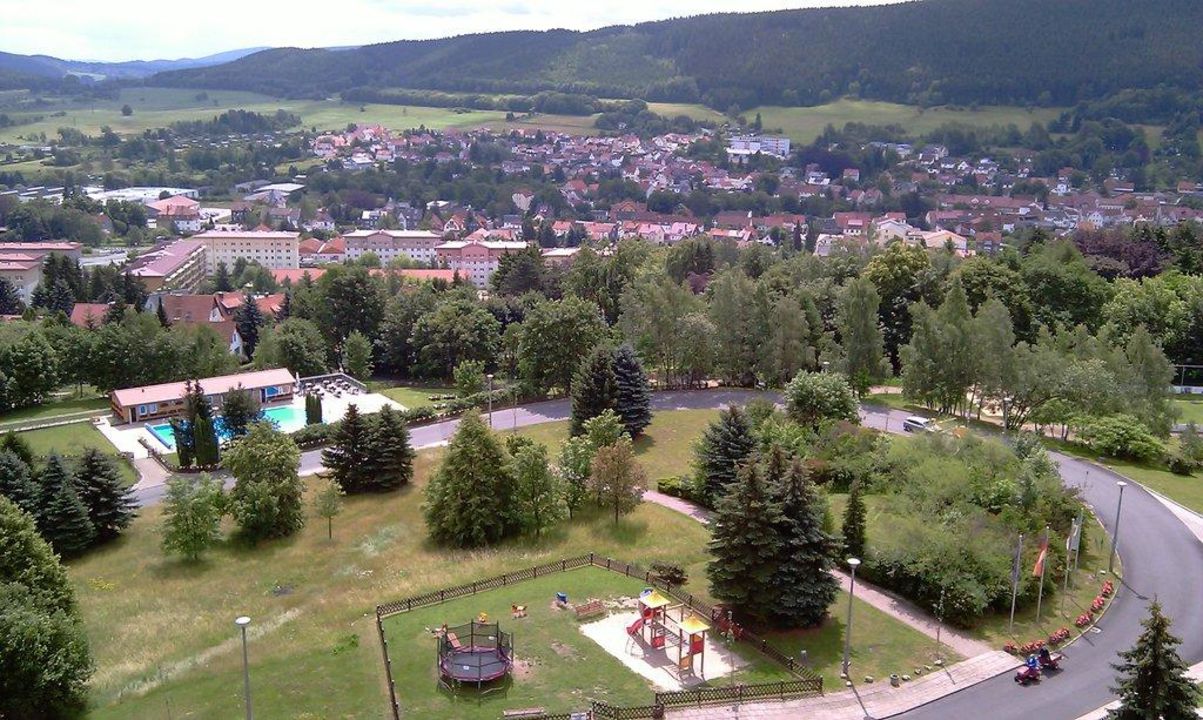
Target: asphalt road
[{"x": 1161, "y": 560}]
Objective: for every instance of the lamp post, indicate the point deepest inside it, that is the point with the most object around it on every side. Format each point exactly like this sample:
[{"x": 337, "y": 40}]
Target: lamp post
[
  {"x": 242, "y": 621},
  {"x": 490, "y": 377},
  {"x": 1115, "y": 535},
  {"x": 852, "y": 563}
]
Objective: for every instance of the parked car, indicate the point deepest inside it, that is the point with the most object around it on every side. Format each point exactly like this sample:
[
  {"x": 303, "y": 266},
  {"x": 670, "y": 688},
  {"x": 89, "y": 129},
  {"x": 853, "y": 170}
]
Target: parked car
[{"x": 918, "y": 424}]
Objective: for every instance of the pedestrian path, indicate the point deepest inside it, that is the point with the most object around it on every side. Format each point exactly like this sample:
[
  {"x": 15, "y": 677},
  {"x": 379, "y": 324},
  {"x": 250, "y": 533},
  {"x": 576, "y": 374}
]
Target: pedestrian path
[
  {"x": 875, "y": 700},
  {"x": 894, "y": 606}
]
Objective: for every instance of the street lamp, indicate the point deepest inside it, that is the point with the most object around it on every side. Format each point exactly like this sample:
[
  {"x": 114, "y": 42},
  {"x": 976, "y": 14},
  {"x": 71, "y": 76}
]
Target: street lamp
[
  {"x": 1115, "y": 534},
  {"x": 242, "y": 622},
  {"x": 852, "y": 563},
  {"x": 490, "y": 377}
]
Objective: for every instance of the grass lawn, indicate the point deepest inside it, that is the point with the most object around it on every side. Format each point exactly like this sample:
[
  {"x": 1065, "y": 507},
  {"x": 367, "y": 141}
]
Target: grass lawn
[
  {"x": 162, "y": 630},
  {"x": 82, "y": 407},
  {"x": 411, "y": 396},
  {"x": 1190, "y": 409},
  {"x": 665, "y": 449},
  {"x": 72, "y": 440},
  {"x": 804, "y": 124}
]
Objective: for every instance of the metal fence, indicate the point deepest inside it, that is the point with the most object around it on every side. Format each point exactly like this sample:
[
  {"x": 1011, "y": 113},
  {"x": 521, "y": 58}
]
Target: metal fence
[{"x": 806, "y": 681}]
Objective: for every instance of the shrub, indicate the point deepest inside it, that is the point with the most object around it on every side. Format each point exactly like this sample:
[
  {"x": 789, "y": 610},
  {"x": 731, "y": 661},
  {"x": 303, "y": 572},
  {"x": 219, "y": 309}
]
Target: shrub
[
  {"x": 1121, "y": 436},
  {"x": 1181, "y": 464}
]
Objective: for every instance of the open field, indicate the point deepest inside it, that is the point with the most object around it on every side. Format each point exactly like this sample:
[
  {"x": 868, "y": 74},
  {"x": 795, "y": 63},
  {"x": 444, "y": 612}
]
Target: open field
[
  {"x": 73, "y": 439},
  {"x": 164, "y": 642},
  {"x": 1190, "y": 409},
  {"x": 411, "y": 396},
  {"x": 46, "y": 412},
  {"x": 804, "y": 124}
]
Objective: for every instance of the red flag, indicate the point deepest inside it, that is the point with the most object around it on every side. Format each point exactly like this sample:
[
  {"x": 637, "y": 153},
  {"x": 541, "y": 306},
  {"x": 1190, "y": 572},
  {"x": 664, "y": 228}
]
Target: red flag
[{"x": 1038, "y": 569}]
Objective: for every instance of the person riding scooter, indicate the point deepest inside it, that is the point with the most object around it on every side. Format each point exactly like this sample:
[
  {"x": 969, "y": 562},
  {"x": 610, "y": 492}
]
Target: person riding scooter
[{"x": 1046, "y": 660}]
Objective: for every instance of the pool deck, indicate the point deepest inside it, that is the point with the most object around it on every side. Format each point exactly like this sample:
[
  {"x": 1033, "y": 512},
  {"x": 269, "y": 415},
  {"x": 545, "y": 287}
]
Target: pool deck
[{"x": 128, "y": 437}]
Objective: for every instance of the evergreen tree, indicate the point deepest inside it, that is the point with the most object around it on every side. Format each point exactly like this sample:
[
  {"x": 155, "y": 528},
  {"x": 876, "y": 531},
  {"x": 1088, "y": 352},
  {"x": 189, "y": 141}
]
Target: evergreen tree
[
  {"x": 349, "y": 455},
  {"x": 109, "y": 502},
  {"x": 390, "y": 455},
  {"x": 204, "y": 441},
  {"x": 10, "y": 299},
  {"x": 633, "y": 401},
  {"x": 162, "y": 315},
  {"x": 239, "y": 409},
  {"x": 17, "y": 483},
  {"x": 853, "y": 529},
  {"x": 313, "y": 409},
  {"x": 594, "y": 388},
  {"x": 1153, "y": 682},
  {"x": 745, "y": 547},
  {"x": 192, "y": 514},
  {"x": 249, "y": 320},
  {"x": 221, "y": 280},
  {"x": 725, "y": 445},
  {"x": 19, "y": 446},
  {"x": 803, "y": 582},
  {"x": 470, "y": 500},
  {"x": 184, "y": 447},
  {"x": 64, "y": 519}
]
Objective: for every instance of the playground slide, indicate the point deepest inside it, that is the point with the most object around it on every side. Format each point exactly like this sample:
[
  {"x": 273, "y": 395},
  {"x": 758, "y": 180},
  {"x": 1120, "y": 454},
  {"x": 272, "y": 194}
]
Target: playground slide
[{"x": 634, "y": 627}]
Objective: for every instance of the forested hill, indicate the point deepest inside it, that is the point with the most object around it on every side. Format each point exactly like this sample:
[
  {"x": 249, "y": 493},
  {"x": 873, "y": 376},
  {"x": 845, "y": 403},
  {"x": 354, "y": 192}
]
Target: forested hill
[{"x": 924, "y": 52}]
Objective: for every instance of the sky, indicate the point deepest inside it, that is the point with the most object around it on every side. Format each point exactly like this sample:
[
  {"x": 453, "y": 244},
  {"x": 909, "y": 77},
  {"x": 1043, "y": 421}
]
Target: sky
[{"x": 115, "y": 30}]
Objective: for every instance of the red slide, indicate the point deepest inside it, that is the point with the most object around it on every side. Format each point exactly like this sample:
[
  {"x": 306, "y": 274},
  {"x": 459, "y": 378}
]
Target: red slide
[{"x": 634, "y": 627}]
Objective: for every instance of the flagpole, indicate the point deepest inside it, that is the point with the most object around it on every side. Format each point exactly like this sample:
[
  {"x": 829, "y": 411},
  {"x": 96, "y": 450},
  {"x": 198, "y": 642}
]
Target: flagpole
[
  {"x": 1043, "y": 566},
  {"x": 1015, "y": 583},
  {"x": 1078, "y": 540},
  {"x": 1068, "y": 549}
]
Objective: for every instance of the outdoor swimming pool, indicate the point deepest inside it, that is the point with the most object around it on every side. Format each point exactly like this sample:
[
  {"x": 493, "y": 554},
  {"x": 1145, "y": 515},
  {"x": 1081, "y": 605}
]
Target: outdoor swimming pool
[{"x": 288, "y": 418}]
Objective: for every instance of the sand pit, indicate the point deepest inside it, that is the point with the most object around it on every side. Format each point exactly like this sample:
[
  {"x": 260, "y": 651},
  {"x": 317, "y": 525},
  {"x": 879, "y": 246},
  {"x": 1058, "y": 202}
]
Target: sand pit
[{"x": 659, "y": 666}]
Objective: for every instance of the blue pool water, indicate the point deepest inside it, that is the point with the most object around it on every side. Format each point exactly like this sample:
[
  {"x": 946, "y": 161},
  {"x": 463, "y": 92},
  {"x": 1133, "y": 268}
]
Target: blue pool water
[{"x": 286, "y": 418}]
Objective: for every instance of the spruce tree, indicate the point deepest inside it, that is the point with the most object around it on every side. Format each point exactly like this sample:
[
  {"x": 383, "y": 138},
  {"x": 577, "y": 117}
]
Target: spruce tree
[
  {"x": 239, "y": 409},
  {"x": 594, "y": 388},
  {"x": 1152, "y": 679},
  {"x": 184, "y": 446},
  {"x": 724, "y": 446},
  {"x": 221, "y": 280},
  {"x": 313, "y": 409},
  {"x": 17, "y": 483},
  {"x": 854, "y": 523},
  {"x": 390, "y": 455},
  {"x": 633, "y": 401},
  {"x": 18, "y": 446},
  {"x": 470, "y": 500},
  {"x": 204, "y": 441},
  {"x": 162, "y": 315},
  {"x": 110, "y": 504},
  {"x": 803, "y": 582},
  {"x": 349, "y": 456},
  {"x": 745, "y": 547},
  {"x": 249, "y": 320},
  {"x": 63, "y": 519}
]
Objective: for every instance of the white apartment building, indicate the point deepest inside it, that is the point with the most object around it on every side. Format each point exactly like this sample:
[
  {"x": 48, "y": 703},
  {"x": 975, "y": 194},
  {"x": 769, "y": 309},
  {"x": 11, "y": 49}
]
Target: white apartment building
[
  {"x": 273, "y": 250},
  {"x": 417, "y": 245},
  {"x": 752, "y": 144},
  {"x": 476, "y": 260}
]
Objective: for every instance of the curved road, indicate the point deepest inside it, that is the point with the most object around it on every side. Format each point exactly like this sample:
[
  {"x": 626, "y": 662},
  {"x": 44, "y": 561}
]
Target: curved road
[{"x": 1162, "y": 560}]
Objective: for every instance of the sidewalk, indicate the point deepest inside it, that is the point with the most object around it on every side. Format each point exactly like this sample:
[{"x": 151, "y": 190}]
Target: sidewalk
[
  {"x": 878, "y": 700},
  {"x": 894, "y": 606}
]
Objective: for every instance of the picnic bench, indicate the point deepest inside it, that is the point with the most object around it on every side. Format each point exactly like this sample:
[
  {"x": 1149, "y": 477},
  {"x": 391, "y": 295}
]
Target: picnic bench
[
  {"x": 589, "y": 609},
  {"x": 531, "y": 712}
]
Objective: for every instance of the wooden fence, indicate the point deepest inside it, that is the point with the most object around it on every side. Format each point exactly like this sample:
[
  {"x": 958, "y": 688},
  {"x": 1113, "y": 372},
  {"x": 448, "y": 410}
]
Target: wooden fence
[{"x": 805, "y": 683}]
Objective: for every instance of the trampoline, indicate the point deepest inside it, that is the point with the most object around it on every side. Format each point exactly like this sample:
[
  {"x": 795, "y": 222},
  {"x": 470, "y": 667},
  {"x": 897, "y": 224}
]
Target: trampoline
[{"x": 475, "y": 653}]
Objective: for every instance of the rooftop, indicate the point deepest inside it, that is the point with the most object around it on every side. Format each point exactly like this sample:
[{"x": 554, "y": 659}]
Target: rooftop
[{"x": 211, "y": 386}]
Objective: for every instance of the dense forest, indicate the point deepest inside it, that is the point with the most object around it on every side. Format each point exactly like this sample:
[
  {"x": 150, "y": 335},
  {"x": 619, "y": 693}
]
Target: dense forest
[{"x": 930, "y": 52}]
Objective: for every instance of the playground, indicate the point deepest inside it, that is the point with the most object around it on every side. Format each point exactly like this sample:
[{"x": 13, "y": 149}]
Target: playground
[{"x": 530, "y": 649}]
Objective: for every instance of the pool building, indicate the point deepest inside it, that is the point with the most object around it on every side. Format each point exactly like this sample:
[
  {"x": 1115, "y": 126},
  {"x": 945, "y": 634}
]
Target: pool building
[{"x": 153, "y": 402}]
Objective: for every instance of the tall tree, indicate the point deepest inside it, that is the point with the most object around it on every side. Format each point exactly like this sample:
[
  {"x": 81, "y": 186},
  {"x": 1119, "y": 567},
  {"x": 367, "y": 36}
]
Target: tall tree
[
  {"x": 111, "y": 505},
  {"x": 266, "y": 499},
  {"x": 735, "y": 337},
  {"x": 64, "y": 519},
  {"x": 618, "y": 481},
  {"x": 192, "y": 514},
  {"x": 784, "y": 350},
  {"x": 803, "y": 581},
  {"x": 249, "y": 320},
  {"x": 745, "y": 547},
  {"x": 239, "y": 409},
  {"x": 470, "y": 499},
  {"x": 10, "y": 300},
  {"x": 1153, "y": 681},
  {"x": 349, "y": 455},
  {"x": 391, "y": 457},
  {"x": 725, "y": 445},
  {"x": 44, "y": 657},
  {"x": 633, "y": 401},
  {"x": 853, "y": 528},
  {"x": 594, "y": 388},
  {"x": 537, "y": 490},
  {"x": 557, "y": 335},
  {"x": 17, "y": 483},
  {"x": 861, "y": 338},
  {"x": 295, "y": 344},
  {"x": 161, "y": 314},
  {"x": 575, "y": 462},
  {"x": 313, "y": 409},
  {"x": 357, "y": 356}
]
